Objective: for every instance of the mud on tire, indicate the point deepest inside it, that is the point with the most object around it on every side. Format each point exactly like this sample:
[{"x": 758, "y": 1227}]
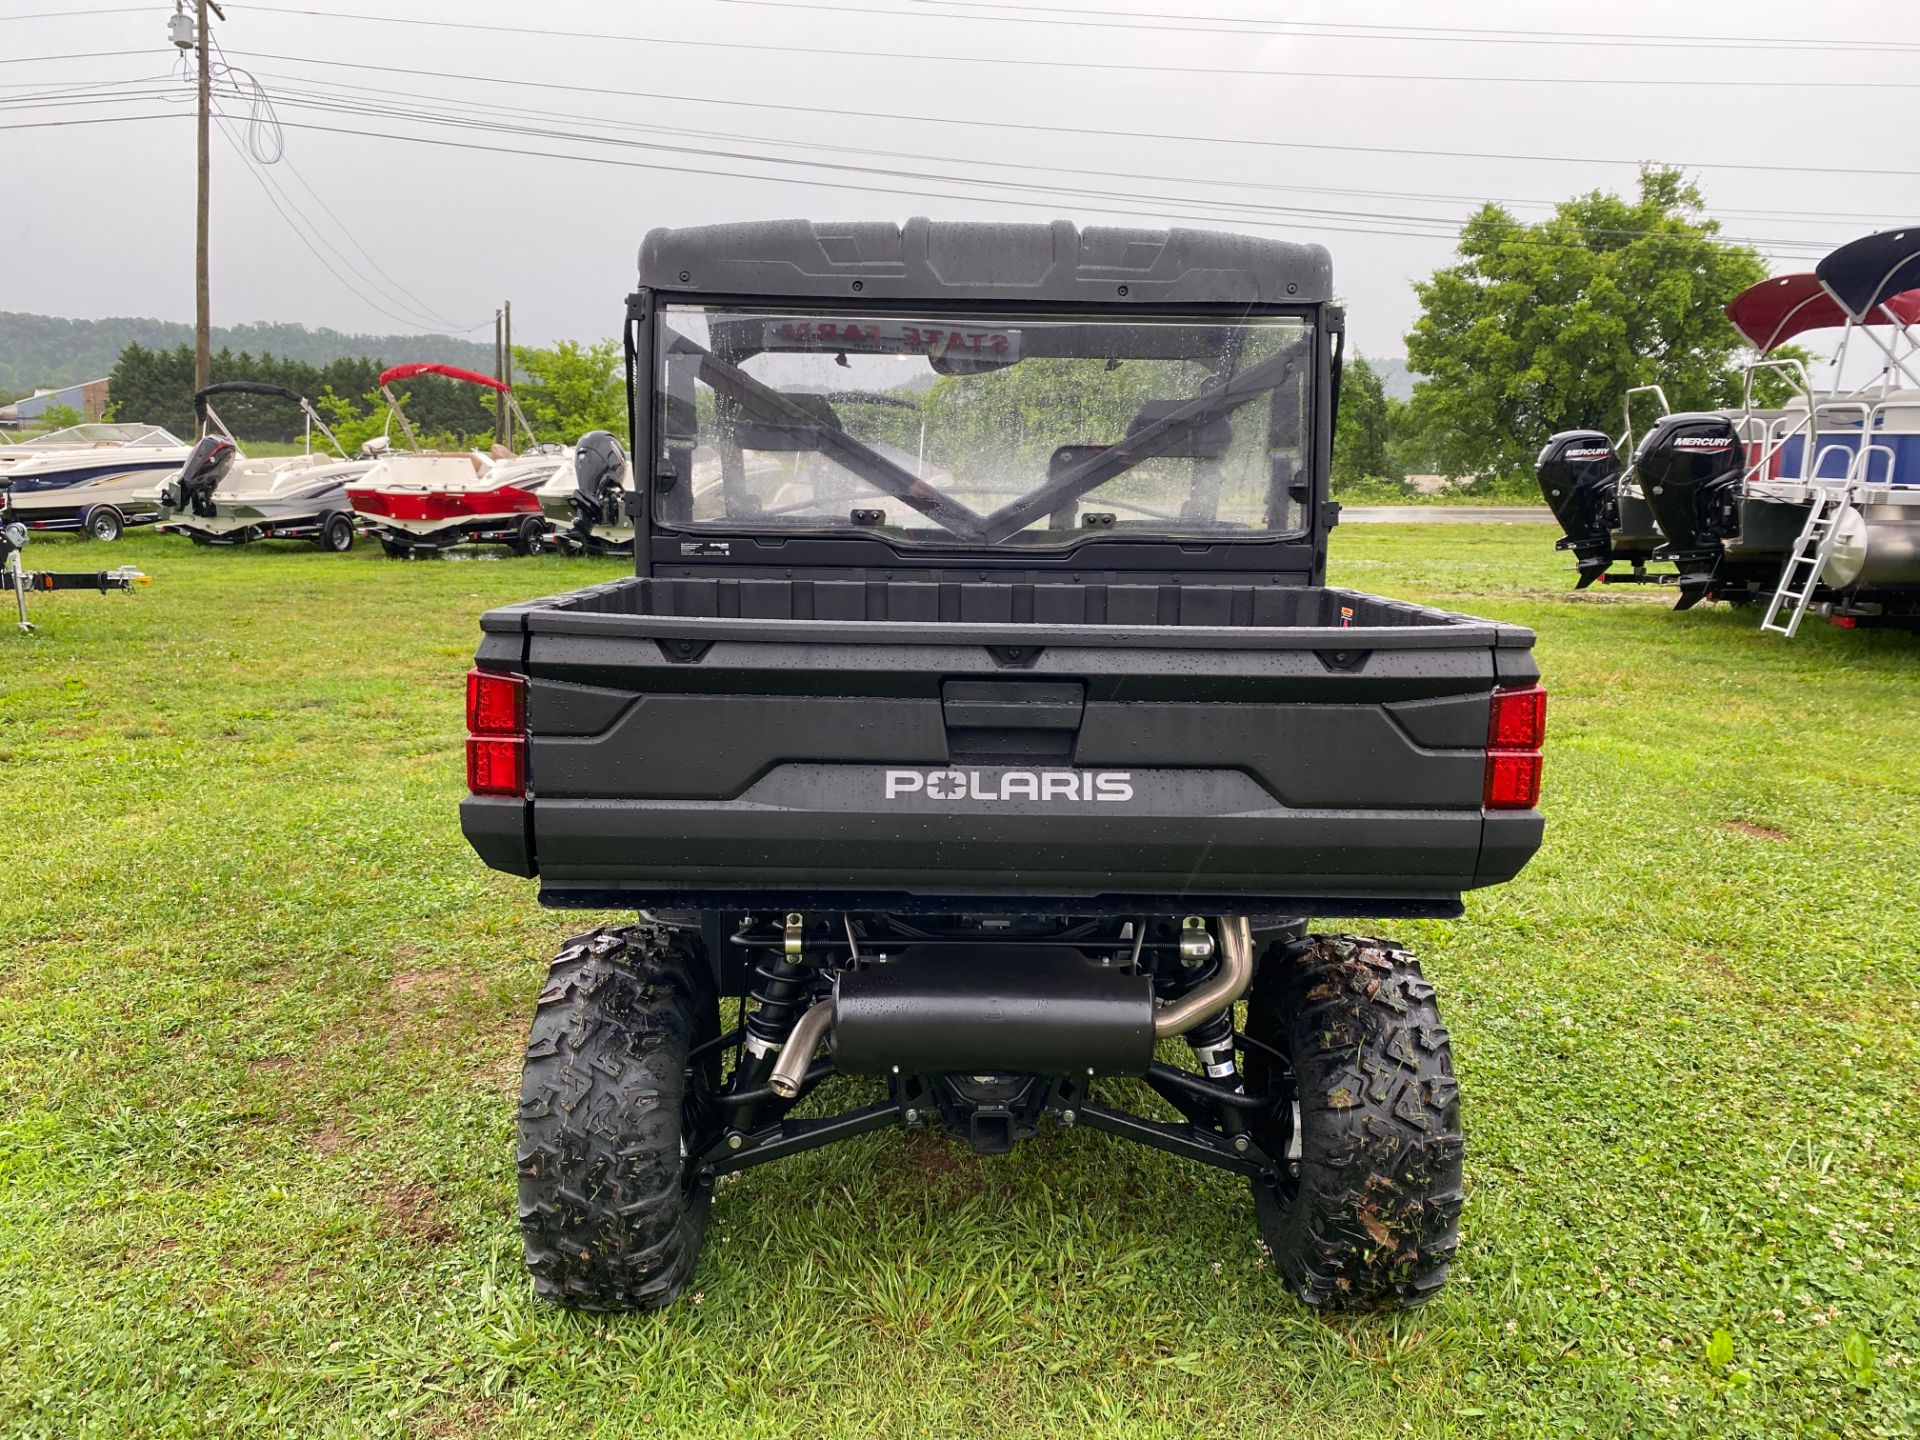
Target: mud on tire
[
  {"x": 612, "y": 1209},
  {"x": 1372, "y": 1216}
]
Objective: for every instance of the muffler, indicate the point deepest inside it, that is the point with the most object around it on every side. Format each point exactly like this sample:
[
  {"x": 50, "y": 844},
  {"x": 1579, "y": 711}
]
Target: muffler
[{"x": 1003, "y": 1009}]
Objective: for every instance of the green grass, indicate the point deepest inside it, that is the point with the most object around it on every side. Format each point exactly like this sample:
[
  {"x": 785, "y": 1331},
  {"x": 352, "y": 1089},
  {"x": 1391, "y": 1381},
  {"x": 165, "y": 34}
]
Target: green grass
[{"x": 260, "y": 1012}]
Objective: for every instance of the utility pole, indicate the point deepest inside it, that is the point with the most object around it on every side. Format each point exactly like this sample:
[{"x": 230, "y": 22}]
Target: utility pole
[
  {"x": 506, "y": 373},
  {"x": 202, "y": 295},
  {"x": 191, "y": 34},
  {"x": 499, "y": 373}
]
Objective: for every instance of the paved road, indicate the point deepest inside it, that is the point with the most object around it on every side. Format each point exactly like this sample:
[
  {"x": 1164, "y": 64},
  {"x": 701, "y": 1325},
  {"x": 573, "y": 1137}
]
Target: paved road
[{"x": 1445, "y": 515}]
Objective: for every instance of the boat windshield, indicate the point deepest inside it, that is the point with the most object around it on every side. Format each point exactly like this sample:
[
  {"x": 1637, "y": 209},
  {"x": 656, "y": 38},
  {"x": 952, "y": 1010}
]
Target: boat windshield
[
  {"x": 107, "y": 434},
  {"x": 981, "y": 428}
]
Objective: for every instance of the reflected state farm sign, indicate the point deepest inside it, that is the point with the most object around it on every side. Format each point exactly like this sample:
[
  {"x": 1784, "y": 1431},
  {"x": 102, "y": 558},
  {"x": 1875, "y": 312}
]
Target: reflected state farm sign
[{"x": 892, "y": 337}]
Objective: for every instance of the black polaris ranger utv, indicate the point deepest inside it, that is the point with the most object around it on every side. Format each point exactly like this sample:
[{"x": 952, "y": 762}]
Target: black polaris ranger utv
[{"x": 995, "y": 739}]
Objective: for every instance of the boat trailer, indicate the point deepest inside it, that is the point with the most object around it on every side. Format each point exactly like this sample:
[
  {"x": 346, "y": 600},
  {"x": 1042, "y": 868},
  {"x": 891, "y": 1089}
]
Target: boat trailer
[{"x": 13, "y": 539}]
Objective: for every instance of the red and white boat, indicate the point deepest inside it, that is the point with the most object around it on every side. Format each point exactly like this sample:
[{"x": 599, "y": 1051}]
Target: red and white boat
[{"x": 425, "y": 500}]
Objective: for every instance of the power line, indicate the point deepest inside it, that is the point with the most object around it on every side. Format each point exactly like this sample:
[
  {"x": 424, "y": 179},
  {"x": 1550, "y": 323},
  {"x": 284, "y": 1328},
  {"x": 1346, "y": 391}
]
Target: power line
[
  {"x": 75, "y": 14},
  {"x": 95, "y": 120},
  {"x": 1212, "y": 71},
  {"x": 390, "y": 110},
  {"x": 1348, "y": 30},
  {"x": 266, "y": 145},
  {"x": 1132, "y": 212},
  {"x": 971, "y": 122},
  {"x": 257, "y": 171},
  {"x": 72, "y": 55},
  {"x": 435, "y": 106},
  {"x": 1230, "y": 209}
]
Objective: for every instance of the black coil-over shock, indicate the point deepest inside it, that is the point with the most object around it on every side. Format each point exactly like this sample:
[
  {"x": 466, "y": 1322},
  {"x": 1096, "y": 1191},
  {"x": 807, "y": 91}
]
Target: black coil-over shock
[{"x": 778, "y": 994}]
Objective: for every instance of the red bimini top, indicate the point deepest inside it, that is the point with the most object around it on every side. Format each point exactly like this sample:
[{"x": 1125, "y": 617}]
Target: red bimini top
[
  {"x": 1774, "y": 311},
  {"x": 452, "y": 372}
]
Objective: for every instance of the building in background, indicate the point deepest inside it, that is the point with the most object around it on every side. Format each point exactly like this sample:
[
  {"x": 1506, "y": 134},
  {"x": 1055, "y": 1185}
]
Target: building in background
[{"x": 89, "y": 397}]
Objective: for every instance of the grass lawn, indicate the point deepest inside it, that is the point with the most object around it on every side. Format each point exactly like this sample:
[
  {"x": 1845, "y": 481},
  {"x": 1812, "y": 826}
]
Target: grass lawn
[{"x": 260, "y": 1015}]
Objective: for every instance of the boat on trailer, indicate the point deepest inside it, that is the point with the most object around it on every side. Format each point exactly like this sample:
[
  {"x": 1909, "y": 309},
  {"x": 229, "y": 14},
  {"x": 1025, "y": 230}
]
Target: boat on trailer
[
  {"x": 96, "y": 479},
  {"x": 420, "y": 501},
  {"x": 590, "y": 506},
  {"x": 220, "y": 499}
]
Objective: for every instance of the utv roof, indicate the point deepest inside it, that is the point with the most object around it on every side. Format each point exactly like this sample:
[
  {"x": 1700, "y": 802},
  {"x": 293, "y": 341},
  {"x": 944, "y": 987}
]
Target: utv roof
[{"x": 983, "y": 261}]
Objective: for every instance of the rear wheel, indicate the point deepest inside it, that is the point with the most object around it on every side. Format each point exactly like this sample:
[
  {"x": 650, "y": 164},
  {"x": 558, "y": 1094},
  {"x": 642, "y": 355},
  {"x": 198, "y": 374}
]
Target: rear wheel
[
  {"x": 336, "y": 534},
  {"x": 105, "y": 523},
  {"x": 1368, "y": 1215},
  {"x": 394, "y": 550},
  {"x": 613, "y": 1119}
]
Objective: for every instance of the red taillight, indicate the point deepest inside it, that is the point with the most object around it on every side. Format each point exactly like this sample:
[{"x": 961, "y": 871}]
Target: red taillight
[
  {"x": 1513, "y": 779},
  {"x": 496, "y": 704},
  {"x": 496, "y": 742},
  {"x": 1518, "y": 719},
  {"x": 1516, "y": 729},
  {"x": 497, "y": 765}
]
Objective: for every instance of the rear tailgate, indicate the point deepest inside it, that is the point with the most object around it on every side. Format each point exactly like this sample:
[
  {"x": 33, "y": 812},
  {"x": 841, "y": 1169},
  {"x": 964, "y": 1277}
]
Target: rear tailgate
[{"x": 1239, "y": 749}]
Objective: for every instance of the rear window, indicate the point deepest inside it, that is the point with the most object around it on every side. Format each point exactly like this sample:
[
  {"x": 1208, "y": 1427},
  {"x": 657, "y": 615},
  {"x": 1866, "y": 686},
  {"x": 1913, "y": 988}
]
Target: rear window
[{"x": 981, "y": 429}]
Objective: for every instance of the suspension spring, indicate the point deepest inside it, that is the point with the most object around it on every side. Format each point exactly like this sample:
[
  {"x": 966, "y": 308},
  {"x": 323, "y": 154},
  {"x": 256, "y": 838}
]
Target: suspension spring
[
  {"x": 778, "y": 993},
  {"x": 1212, "y": 1043}
]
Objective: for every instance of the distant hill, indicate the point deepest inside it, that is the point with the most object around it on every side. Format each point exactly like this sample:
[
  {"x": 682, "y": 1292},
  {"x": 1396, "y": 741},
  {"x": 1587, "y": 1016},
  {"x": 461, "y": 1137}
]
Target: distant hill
[
  {"x": 1395, "y": 378},
  {"x": 45, "y": 350}
]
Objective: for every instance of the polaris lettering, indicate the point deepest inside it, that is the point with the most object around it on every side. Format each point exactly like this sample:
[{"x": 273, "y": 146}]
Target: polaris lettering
[{"x": 1096, "y": 786}]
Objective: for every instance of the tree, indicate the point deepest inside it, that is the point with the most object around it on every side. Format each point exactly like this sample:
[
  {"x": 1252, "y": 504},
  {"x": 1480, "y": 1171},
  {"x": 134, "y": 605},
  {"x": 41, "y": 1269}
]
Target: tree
[
  {"x": 1361, "y": 431},
  {"x": 572, "y": 388},
  {"x": 1544, "y": 327},
  {"x": 59, "y": 417}
]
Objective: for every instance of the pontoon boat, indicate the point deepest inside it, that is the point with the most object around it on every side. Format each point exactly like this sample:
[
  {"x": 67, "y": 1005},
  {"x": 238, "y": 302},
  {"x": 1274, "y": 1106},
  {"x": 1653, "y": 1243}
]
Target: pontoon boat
[
  {"x": 1818, "y": 498},
  {"x": 96, "y": 478}
]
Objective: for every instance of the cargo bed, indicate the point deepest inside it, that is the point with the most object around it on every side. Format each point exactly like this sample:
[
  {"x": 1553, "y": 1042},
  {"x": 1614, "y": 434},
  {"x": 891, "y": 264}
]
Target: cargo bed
[{"x": 946, "y": 743}]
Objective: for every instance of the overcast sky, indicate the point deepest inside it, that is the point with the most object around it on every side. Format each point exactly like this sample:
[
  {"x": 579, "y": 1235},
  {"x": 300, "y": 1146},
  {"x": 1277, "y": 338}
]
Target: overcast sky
[{"x": 103, "y": 223}]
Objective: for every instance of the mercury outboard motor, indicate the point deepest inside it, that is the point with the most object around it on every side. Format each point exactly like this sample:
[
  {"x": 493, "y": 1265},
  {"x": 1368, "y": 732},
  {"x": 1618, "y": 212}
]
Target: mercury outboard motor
[
  {"x": 1690, "y": 467},
  {"x": 192, "y": 488},
  {"x": 1579, "y": 473},
  {"x": 598, "y": 462}
]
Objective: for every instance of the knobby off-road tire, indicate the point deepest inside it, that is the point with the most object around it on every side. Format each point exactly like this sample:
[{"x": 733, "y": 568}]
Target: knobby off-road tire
[
  {"x": 1373, "y": 1215},
  {"x": 612, "y": 1209}
]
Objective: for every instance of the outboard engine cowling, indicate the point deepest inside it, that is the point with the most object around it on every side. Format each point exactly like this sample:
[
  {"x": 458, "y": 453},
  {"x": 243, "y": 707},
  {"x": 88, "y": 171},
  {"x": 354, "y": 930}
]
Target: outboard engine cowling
[
  {"x": 1579, "y": 474},
  {"x": 1690, "y": 467},
  {"x": 598, "y": 463},
  {"x": 193, "y": 486}
]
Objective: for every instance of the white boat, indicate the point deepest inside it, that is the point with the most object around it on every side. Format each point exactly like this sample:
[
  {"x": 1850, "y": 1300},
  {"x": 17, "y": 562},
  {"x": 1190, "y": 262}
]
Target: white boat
[
  {"x": 426, "y": 500},
  {"x": 95, "y": 478},
  {"x": 296, "y": 497},
  {"x": 589, "y": 505}
]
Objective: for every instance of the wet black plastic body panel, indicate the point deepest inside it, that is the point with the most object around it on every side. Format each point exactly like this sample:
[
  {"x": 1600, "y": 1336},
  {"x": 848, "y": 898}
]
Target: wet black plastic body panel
[{"x": 1090, "y": 749}]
